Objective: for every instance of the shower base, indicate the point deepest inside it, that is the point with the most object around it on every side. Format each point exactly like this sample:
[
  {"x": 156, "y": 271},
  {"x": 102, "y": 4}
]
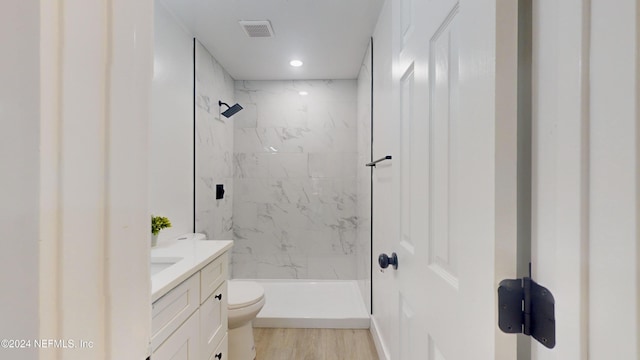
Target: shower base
[{"x": 334, "y": 304}]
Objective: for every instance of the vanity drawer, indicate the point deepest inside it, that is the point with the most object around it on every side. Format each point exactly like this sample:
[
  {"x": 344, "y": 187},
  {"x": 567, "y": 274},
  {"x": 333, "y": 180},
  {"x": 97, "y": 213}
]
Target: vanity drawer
[
  {"x": 213, "y": 320},
  {"x": 222, "y": 352},
  {"x": 212, "y": 276},
  {"x": 183, "y": 344},
  {"x": 171, "y": 310}
]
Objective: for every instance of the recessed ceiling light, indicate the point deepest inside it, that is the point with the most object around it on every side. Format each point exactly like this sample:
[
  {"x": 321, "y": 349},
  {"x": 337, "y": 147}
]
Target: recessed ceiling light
[
  {"x": 303, "y": 93},
  {"x": 295, "y": 63}
]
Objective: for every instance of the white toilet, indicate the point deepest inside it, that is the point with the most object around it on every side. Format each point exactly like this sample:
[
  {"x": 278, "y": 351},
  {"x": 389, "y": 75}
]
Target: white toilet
[{"x": 244, "y": 301}]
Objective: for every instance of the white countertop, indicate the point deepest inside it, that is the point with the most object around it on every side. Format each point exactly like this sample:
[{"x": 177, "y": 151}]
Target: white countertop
[{"x": 195, "y": 255}]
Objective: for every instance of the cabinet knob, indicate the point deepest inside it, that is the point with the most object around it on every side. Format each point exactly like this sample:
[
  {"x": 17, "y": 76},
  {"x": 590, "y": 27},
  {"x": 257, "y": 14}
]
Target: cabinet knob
[
  {"x": 219, "y": 297},
  {"x": 218, "y": 356}
]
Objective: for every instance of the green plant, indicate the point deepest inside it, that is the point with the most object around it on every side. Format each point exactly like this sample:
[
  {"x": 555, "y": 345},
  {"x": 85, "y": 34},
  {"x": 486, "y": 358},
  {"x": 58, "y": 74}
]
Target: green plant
[{"x": 158, "y": 223}]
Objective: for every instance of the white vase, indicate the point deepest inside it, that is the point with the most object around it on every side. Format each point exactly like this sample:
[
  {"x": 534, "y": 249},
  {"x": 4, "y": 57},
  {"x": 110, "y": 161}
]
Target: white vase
[{"x": 154, "y": 240}]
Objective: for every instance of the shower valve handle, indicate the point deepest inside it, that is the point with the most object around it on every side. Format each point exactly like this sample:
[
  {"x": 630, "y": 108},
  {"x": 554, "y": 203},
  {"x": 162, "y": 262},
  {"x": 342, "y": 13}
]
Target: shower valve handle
[{"x": 384, "y": 260}]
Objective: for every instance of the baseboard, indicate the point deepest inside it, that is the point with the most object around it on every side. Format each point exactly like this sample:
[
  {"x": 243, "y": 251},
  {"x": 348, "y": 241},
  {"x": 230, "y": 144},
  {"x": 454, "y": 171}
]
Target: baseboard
[
  {"x": 383, "y": 352},
  {"x": 311, "y": 323}
]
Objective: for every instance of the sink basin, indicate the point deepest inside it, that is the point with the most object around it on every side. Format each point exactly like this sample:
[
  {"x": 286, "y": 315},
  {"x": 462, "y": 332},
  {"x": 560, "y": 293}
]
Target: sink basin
[{"x": 160, "y": 263}]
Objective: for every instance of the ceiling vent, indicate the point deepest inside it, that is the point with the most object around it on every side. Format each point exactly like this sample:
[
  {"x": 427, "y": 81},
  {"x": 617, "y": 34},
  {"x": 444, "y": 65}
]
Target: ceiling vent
[{"x": 255, "y": 29}]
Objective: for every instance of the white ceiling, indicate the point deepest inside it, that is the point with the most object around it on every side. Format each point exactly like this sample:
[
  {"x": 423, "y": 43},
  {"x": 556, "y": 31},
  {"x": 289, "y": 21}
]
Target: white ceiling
[{"x": 329, "y": 36}]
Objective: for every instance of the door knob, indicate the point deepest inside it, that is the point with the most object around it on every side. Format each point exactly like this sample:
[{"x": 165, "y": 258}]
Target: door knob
[{"x": 384, "y": 260}]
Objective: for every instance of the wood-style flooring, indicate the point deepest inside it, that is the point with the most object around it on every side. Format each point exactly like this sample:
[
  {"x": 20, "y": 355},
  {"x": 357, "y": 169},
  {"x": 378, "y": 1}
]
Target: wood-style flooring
[{"x": 314, "y": 344}]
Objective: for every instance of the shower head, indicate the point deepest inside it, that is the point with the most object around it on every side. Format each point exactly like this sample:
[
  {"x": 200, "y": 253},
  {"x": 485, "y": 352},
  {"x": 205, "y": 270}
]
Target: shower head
[{"x": 231, "y": 110}]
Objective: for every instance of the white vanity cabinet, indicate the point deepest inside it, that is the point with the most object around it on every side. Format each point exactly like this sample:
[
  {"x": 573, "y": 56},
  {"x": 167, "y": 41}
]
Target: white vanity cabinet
[{"x": 189, "y": 322}]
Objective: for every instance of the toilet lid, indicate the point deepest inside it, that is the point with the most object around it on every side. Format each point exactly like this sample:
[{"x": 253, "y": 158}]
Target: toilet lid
[{"x": 243, "y": 293}]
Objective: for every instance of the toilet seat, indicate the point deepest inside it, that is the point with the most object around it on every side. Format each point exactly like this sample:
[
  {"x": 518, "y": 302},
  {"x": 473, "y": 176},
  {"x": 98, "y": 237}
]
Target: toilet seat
[{"x": 243, "y": 293}]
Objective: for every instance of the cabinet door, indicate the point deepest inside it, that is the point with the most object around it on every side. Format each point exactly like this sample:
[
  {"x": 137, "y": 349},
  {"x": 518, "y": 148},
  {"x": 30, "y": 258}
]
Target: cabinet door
[
  {"x": 182, "y": 344},
  {"x": 213, "y": 320},
  {"x": 221, "y": 352},
  {"x": 173, "y": 309}
]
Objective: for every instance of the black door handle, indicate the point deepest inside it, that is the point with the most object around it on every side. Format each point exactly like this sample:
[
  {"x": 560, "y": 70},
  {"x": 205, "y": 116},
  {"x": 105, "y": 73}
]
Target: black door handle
[
  {"x": 219, "y": 296},
  {"x": 384, "y": 260},
  {"x": 218, "y": 356}
]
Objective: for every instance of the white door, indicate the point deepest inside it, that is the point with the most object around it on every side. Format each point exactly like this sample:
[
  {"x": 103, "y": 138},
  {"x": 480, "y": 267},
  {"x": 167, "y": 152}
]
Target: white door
[
  {"x": 585, "y": 243},
  {"x": 454, "y": 72}
]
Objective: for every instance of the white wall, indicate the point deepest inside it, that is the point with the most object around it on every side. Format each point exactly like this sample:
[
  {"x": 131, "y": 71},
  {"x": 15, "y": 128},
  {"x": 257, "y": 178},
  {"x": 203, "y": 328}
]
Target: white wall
[
  {"x": 19, "y": 161},
  {"x": 172, "y": 134},
  {"x": 214, "y": 147},
  {"x": 294, "y": 208},
  {"x": 363, "y": 178},
  {"x": 171, "y": 127}
]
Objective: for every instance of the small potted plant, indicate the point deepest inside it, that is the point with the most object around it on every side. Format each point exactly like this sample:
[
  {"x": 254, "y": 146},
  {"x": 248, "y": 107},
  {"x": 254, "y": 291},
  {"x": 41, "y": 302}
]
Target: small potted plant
[{"x": 158, "y": 223}]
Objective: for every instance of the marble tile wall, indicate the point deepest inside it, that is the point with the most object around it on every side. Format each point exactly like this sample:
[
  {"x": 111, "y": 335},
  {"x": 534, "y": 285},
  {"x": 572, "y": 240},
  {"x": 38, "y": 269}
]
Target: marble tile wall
[
  {"x": 214, "y": 147},
  {"x": 294, "y": 160},
  {"x": 363, "y": 179}
]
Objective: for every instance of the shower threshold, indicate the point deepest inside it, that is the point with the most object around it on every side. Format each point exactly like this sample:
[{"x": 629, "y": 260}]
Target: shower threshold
[{"x": 334, "y": 304}]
